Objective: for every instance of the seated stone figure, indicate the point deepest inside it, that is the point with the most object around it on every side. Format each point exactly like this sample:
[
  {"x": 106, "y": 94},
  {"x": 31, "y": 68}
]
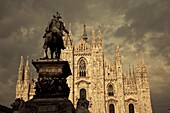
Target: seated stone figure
[
  {"x": 82, "y": 105},
  {"x": 18, "y": 104}
]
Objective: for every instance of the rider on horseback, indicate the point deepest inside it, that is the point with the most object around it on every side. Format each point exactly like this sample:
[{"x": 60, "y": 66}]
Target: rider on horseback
[{"x": 55, "y": 28}]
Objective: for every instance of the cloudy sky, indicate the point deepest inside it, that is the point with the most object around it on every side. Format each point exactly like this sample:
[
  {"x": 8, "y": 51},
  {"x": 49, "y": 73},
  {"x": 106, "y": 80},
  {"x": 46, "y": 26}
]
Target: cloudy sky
[{"x": 138, "y": 26}]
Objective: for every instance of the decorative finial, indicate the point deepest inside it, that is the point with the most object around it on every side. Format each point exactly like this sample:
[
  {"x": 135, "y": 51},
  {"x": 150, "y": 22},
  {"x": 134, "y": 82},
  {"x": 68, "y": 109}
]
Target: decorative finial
[
  {"x": 27, "y": 63},
  {"x": 133, "y": 70},
  {"x": 93, "y": 38},
  {"x": 143, "y": 60},
  {"x": 129, "y": 70},
  {"x": 137, "y": 58},
  {"x": 22, "y": 62},
  {"x": 84, "y": 33}
]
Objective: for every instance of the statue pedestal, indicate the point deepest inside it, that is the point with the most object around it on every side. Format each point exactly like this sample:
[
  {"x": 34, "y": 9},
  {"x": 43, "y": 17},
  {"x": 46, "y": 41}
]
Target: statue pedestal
[
  {"x": 48, "y": 105},
  {"x": 52, "y": 91},
  {"x": 52, "y": 76}
]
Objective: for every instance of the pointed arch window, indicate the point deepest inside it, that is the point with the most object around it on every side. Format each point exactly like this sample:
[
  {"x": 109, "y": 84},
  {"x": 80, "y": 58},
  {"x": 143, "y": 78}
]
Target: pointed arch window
[
  {"x": 111, "y": 108},
  {"x": 82, "y": 68},
  {"x": 110, "y": 90},
  {"x": 131, "y": 108}
]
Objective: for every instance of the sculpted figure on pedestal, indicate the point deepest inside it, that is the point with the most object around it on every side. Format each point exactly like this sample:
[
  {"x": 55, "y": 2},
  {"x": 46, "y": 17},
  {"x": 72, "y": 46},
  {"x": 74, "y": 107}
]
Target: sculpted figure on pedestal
[{"x": 53, "y": 37}]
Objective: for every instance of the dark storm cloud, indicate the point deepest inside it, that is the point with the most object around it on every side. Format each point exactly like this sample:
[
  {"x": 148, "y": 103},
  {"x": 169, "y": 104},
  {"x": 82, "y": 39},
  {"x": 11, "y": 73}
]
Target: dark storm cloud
[
  {"x": 144, "y": 18},
  {"x": 151, "y": 18},
  {"x": 147, "y": 17},
  {"x": 29, "y": 12},
  {"x": 161, "y": 44},
  {"x": 22, "y": 24},
  {"x": 134, "y": 25}
]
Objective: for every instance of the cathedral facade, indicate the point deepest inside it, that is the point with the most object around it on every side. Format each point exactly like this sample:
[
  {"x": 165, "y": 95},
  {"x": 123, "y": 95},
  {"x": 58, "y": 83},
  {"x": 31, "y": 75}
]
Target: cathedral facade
[{"x": 102, "y": 82}]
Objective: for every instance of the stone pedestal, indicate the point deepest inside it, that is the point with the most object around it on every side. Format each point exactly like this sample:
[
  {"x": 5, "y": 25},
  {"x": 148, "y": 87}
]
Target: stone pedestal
[
  {"x": 52, "y": 91},
  {"x": 48, "y": 105},
  {"x": 52, "y": 76}
]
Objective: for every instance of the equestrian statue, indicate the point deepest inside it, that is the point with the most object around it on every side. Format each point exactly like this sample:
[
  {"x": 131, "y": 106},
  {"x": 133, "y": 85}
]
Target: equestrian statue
[{"x": 53, "y": 37}]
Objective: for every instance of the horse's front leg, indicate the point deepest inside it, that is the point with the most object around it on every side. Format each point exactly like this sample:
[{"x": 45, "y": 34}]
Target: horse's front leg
[
  {"x": 46, "y": 54},
  {"x": 57, "y": 53},
  {"x": 52, "y": 54}
]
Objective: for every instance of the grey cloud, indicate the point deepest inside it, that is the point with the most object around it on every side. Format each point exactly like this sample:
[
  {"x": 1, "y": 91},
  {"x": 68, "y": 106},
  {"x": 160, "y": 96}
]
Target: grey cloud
[
  {"x": 161, "y": 44},
  {"x": 144, "y": 18}
]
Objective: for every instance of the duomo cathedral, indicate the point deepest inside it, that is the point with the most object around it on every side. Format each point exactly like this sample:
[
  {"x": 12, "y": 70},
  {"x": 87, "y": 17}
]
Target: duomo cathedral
[{"x": 103, "y": 83}]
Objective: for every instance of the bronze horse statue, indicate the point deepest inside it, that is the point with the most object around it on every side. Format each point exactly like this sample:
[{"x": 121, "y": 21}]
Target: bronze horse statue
[
  {"x": 53, "y": 36},
  {"x": 51, "y": 43},
  {"x": 55, "y": 43}
]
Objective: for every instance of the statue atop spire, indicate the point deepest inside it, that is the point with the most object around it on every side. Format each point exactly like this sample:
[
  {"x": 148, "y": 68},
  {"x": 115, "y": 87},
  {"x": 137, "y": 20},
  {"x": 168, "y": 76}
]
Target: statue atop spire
[{"x": 84, "y": 33}]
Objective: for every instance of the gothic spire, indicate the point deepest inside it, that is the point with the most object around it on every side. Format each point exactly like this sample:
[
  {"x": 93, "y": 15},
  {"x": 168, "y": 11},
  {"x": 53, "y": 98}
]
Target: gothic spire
[
  {"x": 64, "y": 39},
  {"x": 27, "y": 64},
  {"x": 27, "y": 70},
  {"x": 117, "y": 47},
  {"x": 144, "y": 73},
  {"x": 70, "y": 33},
  {"x": 21, "y": 69},
  {"x": 143, "y": 60},
  {"x": 133, "y": 70},
  {"x": 137, "y": 59},
  {"x": 143, "y": 64},
  {"x": 99, "y": 38},
  {"x": 21, "y": 62},
  {"x": 84, "y": 33},
  {"x": 130, "y": 71},
  {"x": 137, "y": 63},
  {"x": 118, "y": 54},
  {"x": 93, "y": 39},
  {"x": 69, "y": 41},
  {"x": 118, "y": 62}
]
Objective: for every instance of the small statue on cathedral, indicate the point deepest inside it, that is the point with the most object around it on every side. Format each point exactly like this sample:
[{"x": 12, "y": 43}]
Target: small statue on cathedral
[
  {"x": 82, "y": 105},
  {"x": 18, "y": 104}
]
